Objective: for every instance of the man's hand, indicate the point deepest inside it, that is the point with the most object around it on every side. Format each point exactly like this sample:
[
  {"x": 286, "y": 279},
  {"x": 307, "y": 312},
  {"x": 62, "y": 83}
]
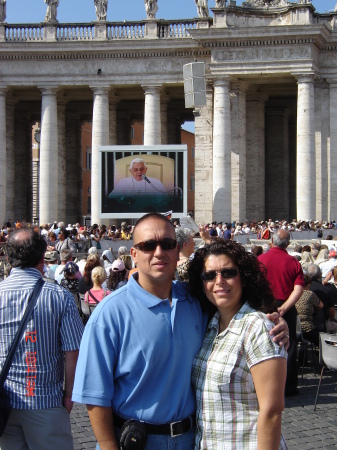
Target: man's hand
[{"x": 280, "y": 330}]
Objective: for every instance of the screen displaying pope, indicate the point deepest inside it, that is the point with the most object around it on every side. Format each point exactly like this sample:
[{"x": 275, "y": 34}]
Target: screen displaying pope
[{"x": 138, "y": 183}]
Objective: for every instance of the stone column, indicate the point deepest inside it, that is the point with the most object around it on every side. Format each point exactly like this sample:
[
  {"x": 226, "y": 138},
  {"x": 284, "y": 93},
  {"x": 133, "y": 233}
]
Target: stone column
[
  {"x": 29, "y": 171},
  {"x": 22, "y": 172},
  {"x": 173, "y": 127},
  {"x": 222, "y": 152},
  {"x": 256, "y": 156},
  {"x": 332, "y": 154},
  {"x": 3, "y": 158},
  {"x": 10, "y": 156},
  {"x": 49, "y": 157},
  {"x": 79, "y": 172},
  {"x": 306, "y": 167},
  {"x": 164, "y": 118},
  {"x": 61, "y": 125},
  {"x": 203, "y": 160},
  {"x": 72, "y": 144},
  {"x": 277, "y": 163},
  {"x": 100, "y": 136},
  {"x": 152, "y": 121},
  {"x": 123, "y": 128},
  {"x": 113, "y": 118},
  {"x": 238, "y": 158},
  {"x": 322, "y": 134}
]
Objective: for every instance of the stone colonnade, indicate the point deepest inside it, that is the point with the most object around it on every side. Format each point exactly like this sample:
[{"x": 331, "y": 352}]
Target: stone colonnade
[
  {"x": 261, "y": 167},
  {"x": 250, "y": 160}
]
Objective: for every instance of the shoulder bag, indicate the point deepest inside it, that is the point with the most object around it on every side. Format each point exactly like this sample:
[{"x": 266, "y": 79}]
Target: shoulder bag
[{"x": 5, "y": 407}]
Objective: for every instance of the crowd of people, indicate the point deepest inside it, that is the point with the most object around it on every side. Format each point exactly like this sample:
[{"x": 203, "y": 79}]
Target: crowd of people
[{"x": 165, "y": 310}]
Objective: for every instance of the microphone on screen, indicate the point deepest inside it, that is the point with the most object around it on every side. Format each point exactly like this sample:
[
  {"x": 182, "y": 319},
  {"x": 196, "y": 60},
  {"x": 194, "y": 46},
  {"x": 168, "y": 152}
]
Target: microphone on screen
[{"x": 144, "y": 177}]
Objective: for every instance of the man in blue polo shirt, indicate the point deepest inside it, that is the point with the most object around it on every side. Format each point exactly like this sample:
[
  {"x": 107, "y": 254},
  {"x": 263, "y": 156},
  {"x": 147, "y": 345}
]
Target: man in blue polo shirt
[{"x": 138, "y": 347}]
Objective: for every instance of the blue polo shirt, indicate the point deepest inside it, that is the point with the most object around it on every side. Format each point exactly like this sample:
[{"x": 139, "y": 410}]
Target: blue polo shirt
[{"x": 137, "y": 351}]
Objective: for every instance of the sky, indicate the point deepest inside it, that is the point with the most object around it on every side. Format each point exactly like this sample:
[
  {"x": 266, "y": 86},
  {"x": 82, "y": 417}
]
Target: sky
[{"x": 33, "y": 11}]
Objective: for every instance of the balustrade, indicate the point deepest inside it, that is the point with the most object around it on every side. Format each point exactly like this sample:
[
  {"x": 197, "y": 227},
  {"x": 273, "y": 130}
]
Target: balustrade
[{"x": 167, "y": 29}]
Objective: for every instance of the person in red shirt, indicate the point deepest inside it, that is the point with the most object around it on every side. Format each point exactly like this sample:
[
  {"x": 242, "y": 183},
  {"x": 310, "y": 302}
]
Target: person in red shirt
[
  {"x": 264, "y": 232},
  {"x": 285, "y": 276}
]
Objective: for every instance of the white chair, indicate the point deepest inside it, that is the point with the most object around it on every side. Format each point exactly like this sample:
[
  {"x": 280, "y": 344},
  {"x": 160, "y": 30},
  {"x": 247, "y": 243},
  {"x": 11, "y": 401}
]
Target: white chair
[{"x": 327, "y": 356}]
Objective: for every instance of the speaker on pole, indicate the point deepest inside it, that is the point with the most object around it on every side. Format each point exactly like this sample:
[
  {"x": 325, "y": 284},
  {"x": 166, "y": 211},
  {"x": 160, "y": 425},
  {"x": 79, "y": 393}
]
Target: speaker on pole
[{"x": 194, "y": 84}]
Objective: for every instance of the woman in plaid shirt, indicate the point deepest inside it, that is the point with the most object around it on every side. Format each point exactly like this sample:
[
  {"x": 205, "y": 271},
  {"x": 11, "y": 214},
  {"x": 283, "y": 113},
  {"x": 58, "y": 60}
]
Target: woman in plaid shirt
[{"x": 239, "y": 373}]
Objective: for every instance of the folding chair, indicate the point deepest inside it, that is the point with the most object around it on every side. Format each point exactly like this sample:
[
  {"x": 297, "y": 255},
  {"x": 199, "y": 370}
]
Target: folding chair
[
  {"x": 86, "y": 308},
  {"x": 327, "y": 355},
  {"x": 304, "y": 343}
]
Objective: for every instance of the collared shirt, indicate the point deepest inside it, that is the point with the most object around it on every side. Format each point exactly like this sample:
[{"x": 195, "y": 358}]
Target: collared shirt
[
  {"x": 227, "y": 405},
  {"x": 283, "y": 272},
  {"x": 137, "y": 352},
  {"x": 35, "y": 379}
]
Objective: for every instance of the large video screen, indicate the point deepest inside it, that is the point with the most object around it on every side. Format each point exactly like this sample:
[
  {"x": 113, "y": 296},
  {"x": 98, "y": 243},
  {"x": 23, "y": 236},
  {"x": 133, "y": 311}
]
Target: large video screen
[{"x": 136, "y": 180}]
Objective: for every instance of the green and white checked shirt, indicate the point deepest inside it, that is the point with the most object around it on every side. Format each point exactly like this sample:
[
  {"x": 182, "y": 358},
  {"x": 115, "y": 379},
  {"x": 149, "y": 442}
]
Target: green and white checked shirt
[{"x": 227, "y": 405}]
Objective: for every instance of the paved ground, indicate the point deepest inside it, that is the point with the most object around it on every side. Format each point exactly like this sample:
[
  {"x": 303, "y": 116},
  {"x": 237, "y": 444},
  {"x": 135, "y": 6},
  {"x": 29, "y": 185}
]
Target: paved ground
[{"x": 303, "y": 428}]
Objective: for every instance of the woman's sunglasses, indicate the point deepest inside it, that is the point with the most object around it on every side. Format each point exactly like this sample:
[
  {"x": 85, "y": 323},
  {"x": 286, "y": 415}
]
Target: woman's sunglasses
[
  {"x": 151, "y": 244},
  {"x": 225, "y": 273}
]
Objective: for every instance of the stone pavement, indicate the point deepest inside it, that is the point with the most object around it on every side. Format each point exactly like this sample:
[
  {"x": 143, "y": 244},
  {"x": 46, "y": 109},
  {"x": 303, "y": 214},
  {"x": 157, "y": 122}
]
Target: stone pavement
[{"x": 303, "y": 428}]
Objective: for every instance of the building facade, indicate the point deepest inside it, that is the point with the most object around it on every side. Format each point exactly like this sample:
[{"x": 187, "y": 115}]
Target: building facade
[{"x": 265, "y": 142}]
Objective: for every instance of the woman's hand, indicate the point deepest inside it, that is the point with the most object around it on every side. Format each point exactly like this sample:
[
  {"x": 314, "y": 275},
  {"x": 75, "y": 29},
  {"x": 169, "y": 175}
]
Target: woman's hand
[{"x": 280, "y": 330}]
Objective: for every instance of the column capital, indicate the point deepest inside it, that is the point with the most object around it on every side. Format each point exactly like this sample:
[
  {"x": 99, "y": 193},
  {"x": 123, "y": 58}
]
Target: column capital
[
  {"x": 258, "y": 97},
  {"x": 152, "y": 88},
  {"x": 305, "y": 77},
  {"x": 223, "y": 81},
  {"x": 100, "y": 90},
  {"x": 49, "y": 90},
  {"x": 332, "y": 82}
]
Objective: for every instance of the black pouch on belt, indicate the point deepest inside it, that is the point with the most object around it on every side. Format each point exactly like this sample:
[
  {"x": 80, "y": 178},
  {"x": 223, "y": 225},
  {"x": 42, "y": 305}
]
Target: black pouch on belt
[{"x": 133, "y": 435}]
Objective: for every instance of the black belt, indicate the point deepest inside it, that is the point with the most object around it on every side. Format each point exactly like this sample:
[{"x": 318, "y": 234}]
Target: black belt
[{"x": 174, "y": 428}]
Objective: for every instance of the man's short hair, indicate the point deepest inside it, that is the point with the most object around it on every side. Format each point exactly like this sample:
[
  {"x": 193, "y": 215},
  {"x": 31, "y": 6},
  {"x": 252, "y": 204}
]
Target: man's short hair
[
  {"x": 66, "y": 255},
  {"x": 281, "y": 238},
  {"x": 25, "y": 248},
  {"x": 137, "y": 160},
  {"x": 314, "y": 272},
  {"x": 153, "y": 215}
]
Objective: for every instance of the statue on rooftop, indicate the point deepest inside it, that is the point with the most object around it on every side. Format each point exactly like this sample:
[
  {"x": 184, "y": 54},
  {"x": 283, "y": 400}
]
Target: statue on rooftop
[
  {"x": 2, "y": 10},
  {"x": 51, "y": 11},
  {"x": 101, "y": 7},
  {"x": 219, "y": 3},
  {"x": 202, "y": 6},
  {"x": 151, "y": 8},
  {"x": 264, "y": 3}
]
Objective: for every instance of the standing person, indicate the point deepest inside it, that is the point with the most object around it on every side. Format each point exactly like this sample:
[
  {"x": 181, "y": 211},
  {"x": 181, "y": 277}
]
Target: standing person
[
  {"x": 239, "y": 373},
  {"x": 285, "y": 275},
  {"x": 96, "y": 293},
  {"x": 164, "y": 326},
  {"x": 39, "y": 418},
  {"x": 264, "y": 232},
  {"x": 65, "y": 256}
]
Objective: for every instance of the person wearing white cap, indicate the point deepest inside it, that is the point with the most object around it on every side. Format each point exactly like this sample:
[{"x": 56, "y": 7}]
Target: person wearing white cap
[{"x": 117, "y": 277}]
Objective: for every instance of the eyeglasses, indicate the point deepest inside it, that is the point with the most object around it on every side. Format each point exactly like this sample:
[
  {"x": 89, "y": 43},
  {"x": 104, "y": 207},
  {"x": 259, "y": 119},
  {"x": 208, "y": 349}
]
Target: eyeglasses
[
  {"x": 225, "y": 273},
  {"x": 151, "y": 244}
]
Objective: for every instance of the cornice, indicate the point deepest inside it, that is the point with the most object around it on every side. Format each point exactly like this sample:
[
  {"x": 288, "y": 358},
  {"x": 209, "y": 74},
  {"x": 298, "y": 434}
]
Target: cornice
[{"x": 10, "y": 56}]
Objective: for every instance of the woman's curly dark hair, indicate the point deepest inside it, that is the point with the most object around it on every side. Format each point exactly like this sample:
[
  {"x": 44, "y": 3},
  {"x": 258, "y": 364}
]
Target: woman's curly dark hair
[
  {"x": 114, "y": 278},
  {"x": 256, "y": 290}
]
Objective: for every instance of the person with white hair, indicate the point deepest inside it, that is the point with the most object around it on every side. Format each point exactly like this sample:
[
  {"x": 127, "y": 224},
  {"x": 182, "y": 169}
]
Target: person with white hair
[{"x": 138, "y": 183}]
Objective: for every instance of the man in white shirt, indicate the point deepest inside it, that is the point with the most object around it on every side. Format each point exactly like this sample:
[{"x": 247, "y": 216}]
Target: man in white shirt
[{"x": 138, "y": 183}]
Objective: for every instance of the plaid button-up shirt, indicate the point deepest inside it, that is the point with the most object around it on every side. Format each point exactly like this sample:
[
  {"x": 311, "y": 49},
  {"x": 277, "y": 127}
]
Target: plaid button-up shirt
[{"x": 227, "y": 405}]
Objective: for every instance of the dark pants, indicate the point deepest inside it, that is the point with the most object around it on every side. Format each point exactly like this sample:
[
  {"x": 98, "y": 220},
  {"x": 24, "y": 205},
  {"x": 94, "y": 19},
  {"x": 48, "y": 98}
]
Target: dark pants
[{"x": 291, "y": 317}]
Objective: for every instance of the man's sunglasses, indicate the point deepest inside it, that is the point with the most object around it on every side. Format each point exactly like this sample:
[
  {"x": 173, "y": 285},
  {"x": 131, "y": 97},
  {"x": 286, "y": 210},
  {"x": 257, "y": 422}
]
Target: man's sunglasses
[
  {"x": 151, "y": 244},
  {"x": 225, "y": 273}
]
